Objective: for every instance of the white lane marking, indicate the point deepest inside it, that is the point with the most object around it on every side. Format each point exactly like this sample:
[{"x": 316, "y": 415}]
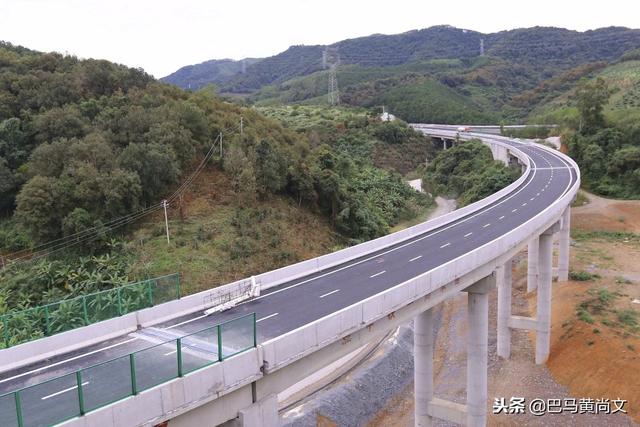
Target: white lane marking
[
  {"x": 538, "y": 194},
  {"x": 170, "y": 353},
  {"x": 267, "y": 317},
  {"x": 415, "y": 258},
  {"x": 377, "y": 274},
  {"x": 329, "y": 293},
  {"x": 58, "y": 393},
  {"x": 532, "y": 199},
  {"x": 486, "y": 225},
  {"x": 67, "y": 360},
  {"x": 515, "y": 210},
  {"x": 502, "y": 217},
  {"x": 186, "y": 321},
  {"x": 445, "y": 245},
  {"x": 524, "y": 204},
  {"x": 468, "y": 234},
  {"x": 427, "y": 235}
]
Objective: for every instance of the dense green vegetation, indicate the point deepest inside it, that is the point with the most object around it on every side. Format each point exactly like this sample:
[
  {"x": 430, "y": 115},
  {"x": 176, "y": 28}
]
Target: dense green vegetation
[
  {"x": 467, "y": 172},
  {"x": 85, "y": 142},
  {"x": 608, "y": 154},
  {"x": 437, "y": 74}
]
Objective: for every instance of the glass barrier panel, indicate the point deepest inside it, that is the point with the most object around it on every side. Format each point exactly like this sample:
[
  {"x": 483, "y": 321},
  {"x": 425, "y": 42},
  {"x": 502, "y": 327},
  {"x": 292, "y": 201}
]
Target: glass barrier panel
[
  {"x": 237, "y": 335},
  {"x": 134, "y": 297},
  {"x": 50, "y": 402},
  {"x": 8, "y": 410},
  {"x": 102, "y": 305},
  {"x": 165, "y": 288},
  {"x": 156, "y": 365},
  {"x": 66, "y": 315},
  {"x": 199, "y": 349},
  {"x": 106, "y": 383},
  {"x": 26, "y": 325}
]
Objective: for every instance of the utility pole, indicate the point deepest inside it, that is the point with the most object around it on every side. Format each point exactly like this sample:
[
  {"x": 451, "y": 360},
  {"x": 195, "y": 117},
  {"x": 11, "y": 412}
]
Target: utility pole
[
  {"x": 166, "y": 219},
  {"x": 220, "y": 144},
  {"x": 241, "y": 126}
]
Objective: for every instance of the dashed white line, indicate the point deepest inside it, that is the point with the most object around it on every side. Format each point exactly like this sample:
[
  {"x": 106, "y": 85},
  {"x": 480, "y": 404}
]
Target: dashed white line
[
  {"x": 468, "y": 234},
  {"x": 267, "y": 317},
  {"x": 532, "y": 199},
  {"x": 515, "y": 210},
  {"x": 415, "y": 258},
  {"x": 486, "y": 225},
  {"x": 58, "y": 393},
  {"x": 170, "y": 353},
  {"x": 377, "y": 274},
  {"x": 329, "y": 293},
  {"x": 502, "y": 217},
  {"x": 445, "y": 245},
  {"x": 524, "y": 204}
]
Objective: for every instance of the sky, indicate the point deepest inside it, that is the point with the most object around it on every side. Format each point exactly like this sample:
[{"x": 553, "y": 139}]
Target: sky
[{"x": 162, "y": 36}]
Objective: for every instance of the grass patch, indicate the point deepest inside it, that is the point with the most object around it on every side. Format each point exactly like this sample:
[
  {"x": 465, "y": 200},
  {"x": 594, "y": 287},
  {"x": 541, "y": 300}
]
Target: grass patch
[
  {"x": 628, "y": 317},
  {"x": 623, "y": 280},
  {"x": 582, "y": 276},
  {"x": 581, "y": 200},
  {"x": 610, "y": 236},
  {"x": 584, "y": 315}
]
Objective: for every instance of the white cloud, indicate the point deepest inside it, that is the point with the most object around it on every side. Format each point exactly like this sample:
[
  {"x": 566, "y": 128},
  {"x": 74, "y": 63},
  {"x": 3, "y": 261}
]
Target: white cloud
[{"x": 161, "y": 36}]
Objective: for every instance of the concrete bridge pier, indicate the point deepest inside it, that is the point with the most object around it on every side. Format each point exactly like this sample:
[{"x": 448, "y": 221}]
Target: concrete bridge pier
[
  {"x": 504, "y": 279},
  {"x": 564, "y": 246},
  {"x": 428, "y": 407},
  {"x": 543, "y": 305},
  {"x": 532, "y": 264}
]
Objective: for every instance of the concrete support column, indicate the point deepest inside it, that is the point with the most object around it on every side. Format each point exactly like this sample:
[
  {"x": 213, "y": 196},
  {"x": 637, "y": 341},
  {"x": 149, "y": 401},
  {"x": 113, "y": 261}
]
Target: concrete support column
[
  {"x": 532, "y": 265},
  {"x": 563, "y": 252},
  {"x": 543, "y": 311},
  {"x": 478, "y": 326},
  {"x": 504, "y": 310},
  {"x": 263, "y": 413},
  {"x": 444, "y": 144},
  {"x": 423, "y": 367}
]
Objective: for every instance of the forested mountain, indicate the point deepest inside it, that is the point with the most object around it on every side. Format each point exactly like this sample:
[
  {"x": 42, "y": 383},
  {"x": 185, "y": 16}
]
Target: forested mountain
[
  {"x": 86, "y": 144},
  {"x": 535, "y": 54},
  {"x": 214, "y": 71}
]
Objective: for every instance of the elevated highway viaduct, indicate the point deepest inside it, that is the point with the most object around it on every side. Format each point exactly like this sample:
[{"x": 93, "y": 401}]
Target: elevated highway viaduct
[{"x": 312, "y": 313}]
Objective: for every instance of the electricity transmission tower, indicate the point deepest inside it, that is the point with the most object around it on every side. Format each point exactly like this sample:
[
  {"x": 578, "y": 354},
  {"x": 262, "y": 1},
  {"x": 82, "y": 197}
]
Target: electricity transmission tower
[{"x": 331, "y": 59}]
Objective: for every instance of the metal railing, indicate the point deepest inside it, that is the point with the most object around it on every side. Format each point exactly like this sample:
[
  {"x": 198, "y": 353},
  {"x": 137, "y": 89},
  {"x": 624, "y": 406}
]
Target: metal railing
[
  {"x": 26, "y": 325},
  {"x": 71, "y": 395}
]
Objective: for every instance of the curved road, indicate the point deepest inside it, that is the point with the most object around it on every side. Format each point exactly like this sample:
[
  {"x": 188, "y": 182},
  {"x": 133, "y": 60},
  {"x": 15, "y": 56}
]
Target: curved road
[{"x": 296, "y": 303}]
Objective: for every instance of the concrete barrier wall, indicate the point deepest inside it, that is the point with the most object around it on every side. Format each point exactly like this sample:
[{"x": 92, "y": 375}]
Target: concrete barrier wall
[
  {"x": 180, "y": 395},
  {"x": 287, "y": 348}
]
